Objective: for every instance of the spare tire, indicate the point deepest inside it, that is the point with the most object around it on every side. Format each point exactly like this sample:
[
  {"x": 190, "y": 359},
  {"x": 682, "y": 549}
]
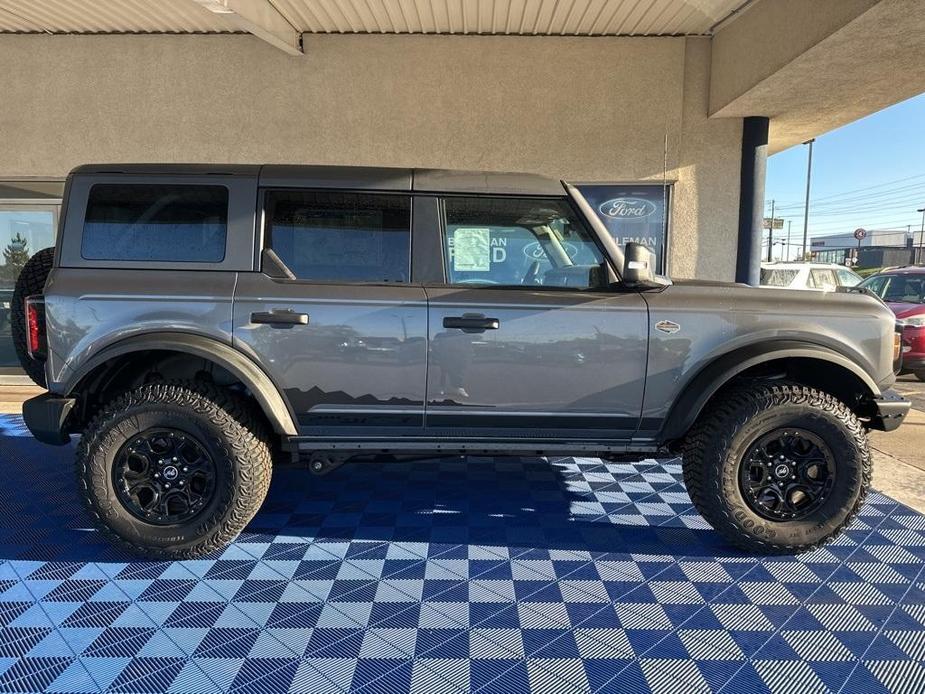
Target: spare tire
[{"x": 31, "y": 281}]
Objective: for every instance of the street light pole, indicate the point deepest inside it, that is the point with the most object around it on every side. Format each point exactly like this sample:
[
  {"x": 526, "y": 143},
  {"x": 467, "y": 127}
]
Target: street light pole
[
  {"x": 809, "y": 173},
  {"x": 921, "y": 234},
  {"x": 771, "y": 233},
  {"x": 789, "y": 222}
]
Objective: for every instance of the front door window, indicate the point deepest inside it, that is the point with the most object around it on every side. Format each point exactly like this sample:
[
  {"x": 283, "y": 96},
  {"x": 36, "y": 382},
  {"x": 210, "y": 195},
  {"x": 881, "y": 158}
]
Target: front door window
[{"x": 23, "y": 231}]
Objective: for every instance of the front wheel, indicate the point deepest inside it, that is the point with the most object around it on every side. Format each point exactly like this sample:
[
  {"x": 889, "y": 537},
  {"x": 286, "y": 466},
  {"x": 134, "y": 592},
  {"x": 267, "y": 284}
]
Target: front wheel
[
  {"x": 776, "y": 467},
  {"x": 174, "y": 470}
]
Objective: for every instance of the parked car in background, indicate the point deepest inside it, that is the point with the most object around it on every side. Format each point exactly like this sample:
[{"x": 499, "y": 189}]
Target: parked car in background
[
  {"x": 903, "y": 290},
  {"x": 820, "y": 276}
]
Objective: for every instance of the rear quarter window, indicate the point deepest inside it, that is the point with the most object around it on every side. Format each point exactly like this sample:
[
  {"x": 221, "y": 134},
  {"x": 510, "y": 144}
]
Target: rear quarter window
[
  {"x": 774, "y": 277},
  {"x": 155, "y": 222}
]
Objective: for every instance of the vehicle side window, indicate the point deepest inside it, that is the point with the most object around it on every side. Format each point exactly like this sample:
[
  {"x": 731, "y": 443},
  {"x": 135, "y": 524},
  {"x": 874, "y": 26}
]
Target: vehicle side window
[
  {"x": 776, "y": 277},
  {"x": 820, "y": 278},
  {"x": 153, "y": 222},
  {"x": 341, "y": 237},
  {"x": 518, "y": 242},
  {"x": 876, "y": 284},
  {"x": 846, "y": 278},
  {"x": 905, "y": 289}
]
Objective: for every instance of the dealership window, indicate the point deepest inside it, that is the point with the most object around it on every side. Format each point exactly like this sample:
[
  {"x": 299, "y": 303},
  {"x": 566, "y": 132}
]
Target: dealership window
[
  {"x": 155, "y": 222},
  {"x": 518, "y": 242},
  {"x": 28, "y": 220},
  {"x": 636, "y": 213},
  {"x": 341, "y": 237}
]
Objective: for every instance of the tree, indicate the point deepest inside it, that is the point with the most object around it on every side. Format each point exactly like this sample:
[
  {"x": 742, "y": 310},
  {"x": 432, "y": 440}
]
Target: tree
[{"x": 15, "y": 256}]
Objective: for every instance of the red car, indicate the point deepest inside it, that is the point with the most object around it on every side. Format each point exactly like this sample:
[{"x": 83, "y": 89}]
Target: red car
[{"x": 903, "y": 290}]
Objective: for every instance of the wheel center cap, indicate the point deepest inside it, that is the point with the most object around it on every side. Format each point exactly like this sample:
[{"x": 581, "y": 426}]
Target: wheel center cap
[
  {"x": 170, "y": 472},
  {"x": 781, "y": 470}
]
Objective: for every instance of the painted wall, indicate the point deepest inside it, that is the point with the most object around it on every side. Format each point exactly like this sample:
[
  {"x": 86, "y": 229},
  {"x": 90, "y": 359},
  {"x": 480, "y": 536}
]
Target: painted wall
[{"x": 586, "y": 109}]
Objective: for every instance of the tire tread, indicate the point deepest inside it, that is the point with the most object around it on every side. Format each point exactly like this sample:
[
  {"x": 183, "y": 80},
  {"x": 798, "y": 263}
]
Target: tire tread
[
  {"x": 716, "y": 428},
  {"x": 250, "y": 447}
]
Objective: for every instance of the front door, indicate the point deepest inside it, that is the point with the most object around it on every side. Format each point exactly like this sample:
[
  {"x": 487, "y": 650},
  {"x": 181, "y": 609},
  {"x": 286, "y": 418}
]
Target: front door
[
  {"x": 344, "y": 335},
  {"x": 525, "y": 337}
]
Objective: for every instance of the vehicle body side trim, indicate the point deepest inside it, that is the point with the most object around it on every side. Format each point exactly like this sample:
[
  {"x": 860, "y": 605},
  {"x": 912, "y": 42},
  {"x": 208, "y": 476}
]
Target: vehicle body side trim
[
  {"x": 243, "y": 367},
  {"x": 713, "y": 376}
]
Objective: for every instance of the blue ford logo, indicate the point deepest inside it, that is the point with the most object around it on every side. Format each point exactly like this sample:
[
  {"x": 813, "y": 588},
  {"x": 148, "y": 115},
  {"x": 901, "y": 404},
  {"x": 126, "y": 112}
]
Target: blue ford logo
[{"x": 627, "y": 209}]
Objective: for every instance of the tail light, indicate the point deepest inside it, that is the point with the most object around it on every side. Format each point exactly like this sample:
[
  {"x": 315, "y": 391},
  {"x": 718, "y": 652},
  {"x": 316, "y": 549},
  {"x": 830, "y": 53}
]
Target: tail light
[{"x": 35, "y": 326}]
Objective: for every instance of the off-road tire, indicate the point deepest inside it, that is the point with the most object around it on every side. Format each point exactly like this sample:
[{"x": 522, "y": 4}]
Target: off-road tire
[
  {"x": 226, "y": 425},
  {"x": 31, "y": 281},
  {"x": 722, "y": 436}
]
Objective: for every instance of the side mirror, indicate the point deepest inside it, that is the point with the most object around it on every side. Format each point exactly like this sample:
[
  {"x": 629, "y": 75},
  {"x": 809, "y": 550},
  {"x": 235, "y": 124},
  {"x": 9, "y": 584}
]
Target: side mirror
[{"x": 638, "y": 264}]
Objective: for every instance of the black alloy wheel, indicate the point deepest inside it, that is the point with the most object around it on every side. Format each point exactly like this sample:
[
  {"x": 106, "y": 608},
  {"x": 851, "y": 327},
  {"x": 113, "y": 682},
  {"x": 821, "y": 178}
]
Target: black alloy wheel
[
  {"x": 787, "y": 474},
  {"x": 164, "y": 476}
]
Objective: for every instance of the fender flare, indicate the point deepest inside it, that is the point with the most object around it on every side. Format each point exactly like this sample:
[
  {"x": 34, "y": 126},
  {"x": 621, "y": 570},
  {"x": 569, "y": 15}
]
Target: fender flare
[
  {"x": 704, "y": 385},
  {"x": 240, "y": 365}
]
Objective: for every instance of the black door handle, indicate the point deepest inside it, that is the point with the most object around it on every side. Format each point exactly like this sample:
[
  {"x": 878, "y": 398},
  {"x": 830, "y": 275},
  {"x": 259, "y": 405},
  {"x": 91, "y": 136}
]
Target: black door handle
[
  {"x": 283, "y": 317},
  {"x": 471, "y": 324}
]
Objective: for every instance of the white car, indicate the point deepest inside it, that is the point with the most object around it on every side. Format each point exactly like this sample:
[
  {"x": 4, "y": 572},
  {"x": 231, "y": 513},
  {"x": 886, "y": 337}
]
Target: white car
[{"x": 818, "y": 276}]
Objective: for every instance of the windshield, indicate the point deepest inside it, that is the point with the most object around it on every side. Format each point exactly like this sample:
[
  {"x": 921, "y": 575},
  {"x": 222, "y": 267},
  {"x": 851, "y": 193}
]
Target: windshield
[
  {"x": 907, "y": 289},
  {"x": 777, "y": 277}
]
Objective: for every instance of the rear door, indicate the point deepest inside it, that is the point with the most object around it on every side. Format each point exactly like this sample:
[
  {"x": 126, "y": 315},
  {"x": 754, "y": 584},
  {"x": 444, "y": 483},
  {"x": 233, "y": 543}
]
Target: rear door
[
  {"x": 332, "y": 315},
  {"x": 526, "y": 338}
]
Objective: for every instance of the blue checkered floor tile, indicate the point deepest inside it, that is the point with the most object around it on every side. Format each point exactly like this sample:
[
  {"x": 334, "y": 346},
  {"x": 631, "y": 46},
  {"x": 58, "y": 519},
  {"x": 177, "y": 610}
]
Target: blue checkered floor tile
[{"x": 508, "y": 575}]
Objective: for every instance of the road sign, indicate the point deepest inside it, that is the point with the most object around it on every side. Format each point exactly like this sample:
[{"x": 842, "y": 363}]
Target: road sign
[
  {"x": 778, "y": 223},
  {"x": 860, "y": 234}
]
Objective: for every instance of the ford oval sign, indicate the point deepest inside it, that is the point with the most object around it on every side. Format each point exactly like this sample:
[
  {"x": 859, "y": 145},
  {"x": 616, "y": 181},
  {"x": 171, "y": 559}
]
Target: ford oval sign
[{"x": 627, "y": 209}]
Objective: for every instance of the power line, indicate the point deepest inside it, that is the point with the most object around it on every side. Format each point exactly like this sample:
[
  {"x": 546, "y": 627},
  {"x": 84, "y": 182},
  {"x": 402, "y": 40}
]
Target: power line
[
  {"x": 917, "y": 189},
  {"x": 857, "y": 190},
  {"x": 870, "y": 224},
  {"x": 898, "y": 216},
  {"x": 897, "y": 206}
]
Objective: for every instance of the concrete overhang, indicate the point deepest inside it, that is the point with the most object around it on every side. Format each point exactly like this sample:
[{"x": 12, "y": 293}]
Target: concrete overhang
[{"x": 815, "y": 66}]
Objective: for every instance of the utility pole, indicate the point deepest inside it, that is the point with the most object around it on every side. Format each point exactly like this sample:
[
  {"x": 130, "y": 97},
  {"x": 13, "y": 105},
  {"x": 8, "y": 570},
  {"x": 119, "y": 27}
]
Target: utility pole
[
  {"x": 809, "y": 174},
  {"x": 771, "y": 233},
  {"x": 921, "y": 234},
  {"x": 789, "y": 222}
]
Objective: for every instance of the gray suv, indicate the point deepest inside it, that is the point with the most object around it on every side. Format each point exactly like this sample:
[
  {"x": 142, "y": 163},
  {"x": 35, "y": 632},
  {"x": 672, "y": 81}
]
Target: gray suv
[{"x": 196, "y": 323}]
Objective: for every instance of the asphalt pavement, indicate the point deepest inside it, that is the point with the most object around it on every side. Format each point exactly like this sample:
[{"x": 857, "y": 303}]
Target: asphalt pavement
[{"x": 912, "y": 388}]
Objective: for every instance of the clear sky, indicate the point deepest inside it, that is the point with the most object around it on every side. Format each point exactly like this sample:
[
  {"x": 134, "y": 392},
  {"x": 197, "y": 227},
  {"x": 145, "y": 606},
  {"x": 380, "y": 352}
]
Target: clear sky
[{"x": 868, "y": 174}]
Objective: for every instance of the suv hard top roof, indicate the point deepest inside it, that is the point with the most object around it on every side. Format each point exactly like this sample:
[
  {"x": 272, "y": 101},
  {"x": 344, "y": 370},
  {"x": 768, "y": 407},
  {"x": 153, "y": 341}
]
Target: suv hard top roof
[{"x": 353, "y": 177}]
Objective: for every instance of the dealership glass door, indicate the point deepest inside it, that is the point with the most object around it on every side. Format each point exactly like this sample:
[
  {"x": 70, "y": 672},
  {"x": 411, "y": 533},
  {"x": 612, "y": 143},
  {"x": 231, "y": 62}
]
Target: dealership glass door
[{"x": 24, "y": 229}]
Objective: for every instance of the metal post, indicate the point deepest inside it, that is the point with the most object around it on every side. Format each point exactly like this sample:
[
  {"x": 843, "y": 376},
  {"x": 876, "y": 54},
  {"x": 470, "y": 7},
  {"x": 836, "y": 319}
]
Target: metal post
[
  {"x": 789, "y": 222},
  {"x": 921, "y": 234},
  {"x": 809, "y": 174},
  {"x": 771, "y": 233},
  {"x": 751, "y": 198}
]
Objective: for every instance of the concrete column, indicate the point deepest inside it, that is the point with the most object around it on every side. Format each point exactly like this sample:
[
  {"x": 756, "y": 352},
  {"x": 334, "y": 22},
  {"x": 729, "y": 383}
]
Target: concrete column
[{"x": 751, "y": 198}]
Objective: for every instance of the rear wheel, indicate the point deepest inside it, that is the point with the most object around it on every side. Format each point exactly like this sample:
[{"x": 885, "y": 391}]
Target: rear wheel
[
  {"x": 31, "y": 281},
  {"x": 777, "y": 467},
  {"x": 174, "y": 470}
]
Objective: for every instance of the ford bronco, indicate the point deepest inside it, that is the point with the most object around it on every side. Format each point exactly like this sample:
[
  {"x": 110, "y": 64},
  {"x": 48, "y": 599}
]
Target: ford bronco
[{"x": 195, "y": 323}]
